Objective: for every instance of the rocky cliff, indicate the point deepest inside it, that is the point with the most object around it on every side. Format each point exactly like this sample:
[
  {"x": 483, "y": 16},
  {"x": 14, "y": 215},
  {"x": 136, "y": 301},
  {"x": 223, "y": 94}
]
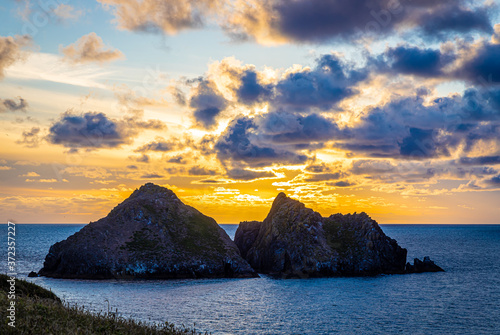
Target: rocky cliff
[
  {"x": 295, "y": 241},
  {"x": 152, "y": 234}
]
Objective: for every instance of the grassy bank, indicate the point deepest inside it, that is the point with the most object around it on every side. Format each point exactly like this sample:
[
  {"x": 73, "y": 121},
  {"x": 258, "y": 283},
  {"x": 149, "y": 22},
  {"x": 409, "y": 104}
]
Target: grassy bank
[{"x": 39, "y": 311}]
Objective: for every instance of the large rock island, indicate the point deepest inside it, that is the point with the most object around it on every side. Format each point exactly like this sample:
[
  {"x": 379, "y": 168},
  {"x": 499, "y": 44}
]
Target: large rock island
[
  {"x": 152, "y": 234},
  {"x": 295, "y": 241}
]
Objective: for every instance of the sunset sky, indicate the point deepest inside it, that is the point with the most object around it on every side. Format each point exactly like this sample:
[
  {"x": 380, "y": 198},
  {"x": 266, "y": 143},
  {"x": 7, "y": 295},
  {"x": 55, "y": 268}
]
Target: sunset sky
[{"x": 392, "y": 108}]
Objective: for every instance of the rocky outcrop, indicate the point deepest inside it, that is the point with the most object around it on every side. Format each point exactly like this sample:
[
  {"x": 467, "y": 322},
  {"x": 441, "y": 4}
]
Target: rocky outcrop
[
  {"x": 152, "y": 234},
  {"x": 295, "y": 241},
  {"x": 422, "y": 266},
  {"x": 245, "y": 235}
]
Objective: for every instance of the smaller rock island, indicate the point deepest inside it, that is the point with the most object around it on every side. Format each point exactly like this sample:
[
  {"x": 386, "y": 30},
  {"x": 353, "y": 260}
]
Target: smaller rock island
[
  {"x": 152, "y": 234},
  {"x": 297, "y": 242}
]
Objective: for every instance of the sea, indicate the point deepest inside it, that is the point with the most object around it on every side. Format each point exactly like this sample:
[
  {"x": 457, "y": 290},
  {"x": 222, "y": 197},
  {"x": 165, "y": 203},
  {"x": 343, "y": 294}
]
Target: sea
[{"x": 465, "y": 299}]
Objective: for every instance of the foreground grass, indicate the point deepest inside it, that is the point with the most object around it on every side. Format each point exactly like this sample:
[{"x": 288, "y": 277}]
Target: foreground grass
[{"x": 39, "y": 311}]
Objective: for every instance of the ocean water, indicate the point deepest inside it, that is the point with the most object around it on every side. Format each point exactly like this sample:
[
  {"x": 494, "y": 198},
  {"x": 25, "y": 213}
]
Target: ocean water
[{"x": 463, "y": 300}]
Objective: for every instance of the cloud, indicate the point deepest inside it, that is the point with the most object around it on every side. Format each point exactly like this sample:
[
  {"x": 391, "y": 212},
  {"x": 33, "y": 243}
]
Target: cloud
[
  {"x": 67, "y": 12},
  {"x": 141, "y": 159},
  {"x": 87, "y": 130},
  {"x": 94, "y": 130},
  {"x": 87, "y": 172},
  {"x": 483, "y": 160},
  {"x": 10, "y": 51},
  {"x": 30, "y": 174},
  {"x": 323, "y": 177},
  {"x": 370, "y": 167},
  {"x": 30, "y": 138},
  {"x": 484, "y": 67},
  {"x": 408, "y": 128},
  {"x": 200, "y": 171},
  {"x": 177, "y": 160},
  {"x": 289, "y": 128},
  {"x": 318, "y": 21},
  {"x": 419, "y": 144},
  {"x": 331, "y": 81},
  {"x": 43, "y": 180},
  {"x": 207, "y": 103},
  {"x": 410, "y": 60},
  {"x": 236, "y": 144},
  {"x": 495, "y": 181},
  {"x": 9, "y": 105},
  {"x": 90, "y": 49},
  {"x": 299, "y": 89},
  {"x": 301, "y": 21},
  {"x": 495, "y": 38},
  {"x": 455, "y": 18},
  {"x": 244, "y": 174},
  {"x": 159, "y": 145},
  {"x": 165, "y": 16},
  {"x": 251, "y": 91}
]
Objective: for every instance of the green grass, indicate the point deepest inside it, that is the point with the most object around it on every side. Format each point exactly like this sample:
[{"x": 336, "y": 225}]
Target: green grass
[
  {"x": 141, "y": 242},
  {"x": 39, "y": 311}
]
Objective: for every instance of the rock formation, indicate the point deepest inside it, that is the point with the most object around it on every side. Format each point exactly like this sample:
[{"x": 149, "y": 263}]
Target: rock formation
[
  {"x": 422, "y": 266},
  {"x": 295, "y": 241},
  {"x": 152, "y": 234}
]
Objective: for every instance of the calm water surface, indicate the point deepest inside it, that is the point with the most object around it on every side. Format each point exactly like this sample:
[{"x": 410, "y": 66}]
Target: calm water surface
[{"x": 463, "y": 300}]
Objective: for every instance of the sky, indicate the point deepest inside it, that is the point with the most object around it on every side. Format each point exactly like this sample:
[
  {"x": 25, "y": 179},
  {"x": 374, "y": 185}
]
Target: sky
[{"x": 380, "y": 106}]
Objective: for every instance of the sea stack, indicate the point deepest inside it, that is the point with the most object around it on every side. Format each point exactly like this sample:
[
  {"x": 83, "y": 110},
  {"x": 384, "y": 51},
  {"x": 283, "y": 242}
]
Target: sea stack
[
  {"x": 152, "y": 234},
  {"x": 297, "y": 242}
]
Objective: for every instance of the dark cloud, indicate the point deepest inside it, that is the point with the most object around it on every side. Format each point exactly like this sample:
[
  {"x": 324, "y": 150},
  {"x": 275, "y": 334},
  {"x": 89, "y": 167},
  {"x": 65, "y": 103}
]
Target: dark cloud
[
  {"x": 454, "y": 18},
  {"x": 10, "y": 105},
  {"x": 177, "y": 160},
  {"x": 140, "y": 159},
  {"x": 330, "y": 82},
  {"x": 416, "y": 61},
  {"x": 93, "y": 130},
  {"x": 200, "y": 171},
  {"x": 282, "y": 127},
  {"x": 318, "y": 20},
  {"x": 419, "y": 144},
  {"x": 407, "y": 128},
  {"x": 250, "y": 90},
  {"x": 317, "y": 168},
  {"x": 342, "y": 183},
  {"x": 495, "y": 181},
  {"x": 484, "y": 67},
  {"x": 30, "y": 138},
  {"x": 132, "y": 167},
  {"x": 237, "y": 144},
  {"x": 483, "y": 160},
  {"x": 243, "y": 174},
  {"x": 159, "y": 145},
  {"x": 207, "y": 103},
  {"x": 87, "y": 130}
]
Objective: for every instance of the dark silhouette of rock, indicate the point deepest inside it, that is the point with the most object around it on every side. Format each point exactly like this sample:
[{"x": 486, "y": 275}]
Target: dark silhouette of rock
[
  {"x": 422, "y": 266},
  {"x": 152, "y": 234},
  {"x": 295, "y": 241},
  {"x": 32, "y": 274},
  {"x": 246, "y": 234}
]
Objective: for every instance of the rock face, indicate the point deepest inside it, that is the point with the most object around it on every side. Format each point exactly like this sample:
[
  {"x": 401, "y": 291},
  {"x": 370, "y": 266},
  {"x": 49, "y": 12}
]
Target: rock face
[
  {"x": 152, "y": 234},
  {"x": 295, "y": 241},
  {"x": 422, "y": 266}
]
